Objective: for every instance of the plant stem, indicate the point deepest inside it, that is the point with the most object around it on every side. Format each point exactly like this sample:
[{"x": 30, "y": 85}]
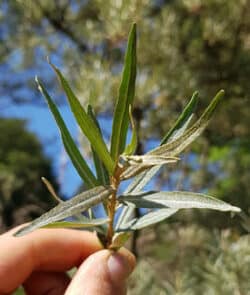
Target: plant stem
[
  {"x": 115, "y": 181},
  {"x": 111, "y": 214}
]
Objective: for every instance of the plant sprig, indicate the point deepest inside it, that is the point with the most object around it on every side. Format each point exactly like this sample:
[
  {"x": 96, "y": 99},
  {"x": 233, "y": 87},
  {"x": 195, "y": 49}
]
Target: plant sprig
[{"x": 120, "y": 163}]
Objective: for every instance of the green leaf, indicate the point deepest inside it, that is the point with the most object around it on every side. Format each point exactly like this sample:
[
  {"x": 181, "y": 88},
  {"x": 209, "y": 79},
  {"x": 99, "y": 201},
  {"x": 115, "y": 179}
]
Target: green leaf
[
  {"x": 86, "y": 124},
  {"x": 176, "y": 131},
  {"x": 74, "y": 206},
  {"x": 183, "y": 118},
  {"x": 119, "y": 239},
  {"x": 179, "y": 128},
  {"x": 148, "y": 160},
  {"x": 71, "y": 224},
  {"x": 131, "y": 147},
  {"x": 125, "y": 98},
  {"x": 143, "y": 162},
  {"x": 101, "y": 171},
  {"x": 141, "y": 180},
  {"x": 148, "y": 219},
  {"x": 125, "y": 215},
  {"x": 178, "y": 145},
  {"x": 135, "y": 186},
  {"x": 51, "y": 189},
  {"x": 69, "y": 144},
  {"x": 176, "y": 200}
]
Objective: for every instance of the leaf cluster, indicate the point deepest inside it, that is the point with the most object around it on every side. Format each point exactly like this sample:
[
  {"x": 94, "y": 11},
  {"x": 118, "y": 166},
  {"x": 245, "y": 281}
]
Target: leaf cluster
[{"x": 119, "y": 163}]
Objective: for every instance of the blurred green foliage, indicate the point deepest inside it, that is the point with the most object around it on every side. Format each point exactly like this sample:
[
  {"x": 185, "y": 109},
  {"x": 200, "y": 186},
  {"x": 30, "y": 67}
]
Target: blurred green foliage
[
  {"x": 191, "y": 260},
  {"x": 22, "y": 163}
]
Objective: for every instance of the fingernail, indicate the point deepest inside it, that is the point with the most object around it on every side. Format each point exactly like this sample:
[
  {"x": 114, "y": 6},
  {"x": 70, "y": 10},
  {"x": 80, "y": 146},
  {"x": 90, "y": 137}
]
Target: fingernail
[{"x": 119, "y": 267}]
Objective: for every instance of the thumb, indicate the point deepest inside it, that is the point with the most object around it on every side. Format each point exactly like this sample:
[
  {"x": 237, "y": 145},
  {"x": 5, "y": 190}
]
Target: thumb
[{"x": 103, "y": 272}]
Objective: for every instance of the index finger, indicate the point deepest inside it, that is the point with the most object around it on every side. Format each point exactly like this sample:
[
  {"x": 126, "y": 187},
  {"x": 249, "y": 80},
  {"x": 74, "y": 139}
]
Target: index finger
[{"x": 44, "y": 249}]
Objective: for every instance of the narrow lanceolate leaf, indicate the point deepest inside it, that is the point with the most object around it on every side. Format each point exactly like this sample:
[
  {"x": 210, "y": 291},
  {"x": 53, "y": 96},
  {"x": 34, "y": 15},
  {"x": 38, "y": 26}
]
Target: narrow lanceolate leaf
[
  {"x": 135, "y": 186},
  {"x": 183, "y": 118},
  {"x": 51, "y": 189},
  {"x": 176, "y": 131},
  {"x": 125, "y": 98},
  {"x": 69, "y": 144},
  {"x": 125, "y": 215},
  {"x": 148, "y": 160},
  {"x": 119, "y": 239},
  {"x": 86, "y": 124},
  {"x": 131, "y": 147},
  {"x": 69, "y": 208},
  {"x": 142, "y": 179},
  {"x": 101, "y": 171},
  {"x": 148, "y": 219},
  {"x": 72, "y": 224},
  {"x": 176, "y": 146},
  {"x": 144, "y": 162},
  {"x": 176, "y": 200}
]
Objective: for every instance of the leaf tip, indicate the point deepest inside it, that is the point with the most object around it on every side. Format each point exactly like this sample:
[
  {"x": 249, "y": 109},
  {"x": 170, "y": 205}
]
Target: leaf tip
[
  {"x": 48, "y": 59},
  {"x": 220, "y": 95},
  {"x": 235, "y": 209},
  {"x": 20, "y": 232},
  {"x": 133, "y": 29},
  {"x": 39, "y": 85},
  {"x": 195, "y": 97},
  {"x": 222, "y": 91},
  {"x": 53, "y": 66},
  {"x": 134, "y": 25},
  {"x": 194, "y": 100}
]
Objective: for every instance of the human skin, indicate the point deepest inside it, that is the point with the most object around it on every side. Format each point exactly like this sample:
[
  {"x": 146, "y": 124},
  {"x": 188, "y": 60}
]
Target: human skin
[{"x": 39, "y": 262}]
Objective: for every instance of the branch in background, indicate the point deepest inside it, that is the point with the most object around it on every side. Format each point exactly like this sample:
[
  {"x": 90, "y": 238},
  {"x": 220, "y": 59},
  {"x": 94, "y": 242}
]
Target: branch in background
[{"x": 58, "y": 22}]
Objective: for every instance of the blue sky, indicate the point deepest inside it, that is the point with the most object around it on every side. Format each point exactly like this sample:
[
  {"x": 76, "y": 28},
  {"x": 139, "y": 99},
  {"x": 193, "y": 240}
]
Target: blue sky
[{"x": 41, "y": 122}]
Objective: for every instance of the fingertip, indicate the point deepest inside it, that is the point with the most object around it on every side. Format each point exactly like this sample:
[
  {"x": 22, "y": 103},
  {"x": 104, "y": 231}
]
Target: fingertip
[
  {"x": 129, "y": 256},
  {"x": 121, "y": 264},
  {"x": 104, "y": 272}
]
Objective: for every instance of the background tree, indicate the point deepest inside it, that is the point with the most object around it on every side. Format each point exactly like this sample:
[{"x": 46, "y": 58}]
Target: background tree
[{"x": 22, "y": 164}]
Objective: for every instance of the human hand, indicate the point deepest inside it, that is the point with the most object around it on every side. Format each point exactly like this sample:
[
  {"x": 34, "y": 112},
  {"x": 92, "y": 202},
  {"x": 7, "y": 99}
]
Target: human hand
[{"x": 39, "y": 260}]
